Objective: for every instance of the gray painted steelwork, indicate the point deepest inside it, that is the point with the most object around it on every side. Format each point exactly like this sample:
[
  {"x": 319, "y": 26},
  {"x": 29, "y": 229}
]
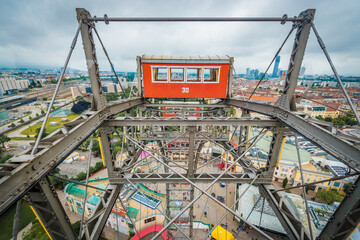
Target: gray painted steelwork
[
  {"x": 332, "y": 144},
  {"x": 45, "y": 202},
  {"x": 26, "y": 173},
  {"x": 191, "y": 121},
  {"x": 346, "y": 217},
  {"x": 34, "y": 168}
]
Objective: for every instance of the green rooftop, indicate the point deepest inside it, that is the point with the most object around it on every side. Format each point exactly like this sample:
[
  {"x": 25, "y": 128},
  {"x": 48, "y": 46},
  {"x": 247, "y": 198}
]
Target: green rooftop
[
  {"x": 71, "y": 189},
  {"x": 289, "y": 152}
]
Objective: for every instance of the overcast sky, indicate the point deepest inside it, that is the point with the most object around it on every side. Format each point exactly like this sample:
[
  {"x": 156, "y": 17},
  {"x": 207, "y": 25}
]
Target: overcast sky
[{"x": 39, "y": 33}]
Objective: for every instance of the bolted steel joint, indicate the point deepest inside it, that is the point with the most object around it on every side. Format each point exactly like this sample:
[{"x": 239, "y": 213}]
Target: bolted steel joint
[{"x": 106, "y": 19}]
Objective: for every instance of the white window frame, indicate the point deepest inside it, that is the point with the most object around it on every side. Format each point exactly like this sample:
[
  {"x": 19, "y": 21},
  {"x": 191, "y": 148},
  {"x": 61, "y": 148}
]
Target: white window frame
[
  {"x": 218, "y": 77},
  {"x": 185, "y": 73},
  {"x": 152, "y": 74},
  {"x": 201, "y": 74}
]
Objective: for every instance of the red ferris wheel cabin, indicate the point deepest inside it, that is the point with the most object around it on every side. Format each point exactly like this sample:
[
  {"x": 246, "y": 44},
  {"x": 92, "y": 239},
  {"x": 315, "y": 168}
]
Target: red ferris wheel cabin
[{"x": 186, "y": 77}]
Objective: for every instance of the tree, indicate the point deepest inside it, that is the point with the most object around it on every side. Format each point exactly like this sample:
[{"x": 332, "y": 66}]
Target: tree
[
  {"x": 35, "y": 232},
  {"x": 329, "y": 196},
  {"x": 112, "y": 96},
  {"x": 328, "y": 119},
  {"x": 307, "y": 188},
  {"x": 81, "y": 176},
  {"x": 12, "y": 125},
  {"x": 76, "y": 227},
  {"x": 96, "y": 147},
  {"x": 44, "y": 98},
  {"x": 30, "y": 117},
  {"x": 80, "y": 106},
  {"x": 44, "y": 134},
  {"x": 58, "y": 183},
  {"x": 3, "y": 139},
  {"x": 347, "y": 187},
  {"x": 42, "y": 111},
  {"x": 22, "y": 120},
  {"x": 285, "y": 182},
  {"x": 98, "y": 165},
  {"x": 5, "y": 158},
  {"x": 37, "y": 114},
  {"x": 320, "y": 117}
]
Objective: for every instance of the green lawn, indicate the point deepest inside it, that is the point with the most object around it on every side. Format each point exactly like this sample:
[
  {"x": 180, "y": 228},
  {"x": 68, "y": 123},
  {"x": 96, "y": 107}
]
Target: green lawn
[
  {"x": 7, "y": 220},
  {"x": 23, "y": 138},
  {"x": 49, "y": 129}
]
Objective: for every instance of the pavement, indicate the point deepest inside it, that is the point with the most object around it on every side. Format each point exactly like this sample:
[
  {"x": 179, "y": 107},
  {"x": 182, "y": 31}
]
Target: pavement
[{"x": 72, "y": 169}]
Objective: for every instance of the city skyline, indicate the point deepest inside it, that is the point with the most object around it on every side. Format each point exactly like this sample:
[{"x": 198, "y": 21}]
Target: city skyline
[{"x": 41, "y": 33}]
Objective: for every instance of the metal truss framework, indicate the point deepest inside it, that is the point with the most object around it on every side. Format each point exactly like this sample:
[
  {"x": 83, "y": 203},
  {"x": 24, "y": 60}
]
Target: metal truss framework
[{"x": 26, "y": 174}]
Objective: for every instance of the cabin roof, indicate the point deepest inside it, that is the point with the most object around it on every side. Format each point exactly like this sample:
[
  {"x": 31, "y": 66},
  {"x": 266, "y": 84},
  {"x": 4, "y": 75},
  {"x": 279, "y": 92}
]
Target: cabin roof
[{"x": 185, "y": 59}]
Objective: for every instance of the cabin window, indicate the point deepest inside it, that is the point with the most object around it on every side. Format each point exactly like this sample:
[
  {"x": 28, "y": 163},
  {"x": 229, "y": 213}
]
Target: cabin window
[
  {"x": 211, "y": 74},
  {"x": 160, "y": 74},
  {"x": 176, "y": 75},
  {"x": 193, "y": 74}
]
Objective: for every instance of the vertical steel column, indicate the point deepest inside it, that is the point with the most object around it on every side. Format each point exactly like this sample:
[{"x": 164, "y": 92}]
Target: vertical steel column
[
  {"x": 197, "y": 155},
  {"x": 230, "y": 78},
  {"x": 297, "y": 55},
  {"x": 99, "y": 100},
  {"x": 191, "y": 213},
  {"x": 243, "y": 133},
  {"x": 140, "y": 92},
  {"x": 167, "y": 186},
  {"x": 292, "y": 227},
  {"x": 106, "y": 150},
  {"x": 45, "y": 202},
  {"x": 17, "y": 219},
  {"x": 93, "y": 229},
  {"x": 274, "y": 151},
  {"x": 191, "y": 155}
]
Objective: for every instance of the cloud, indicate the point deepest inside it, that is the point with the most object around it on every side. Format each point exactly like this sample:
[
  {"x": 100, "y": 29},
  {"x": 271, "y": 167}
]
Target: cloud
[{"x": 39, "y": 33}]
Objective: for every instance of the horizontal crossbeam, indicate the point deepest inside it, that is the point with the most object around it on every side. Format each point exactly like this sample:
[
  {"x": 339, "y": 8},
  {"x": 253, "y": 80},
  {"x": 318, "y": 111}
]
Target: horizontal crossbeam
[
  {"x": 179, "y": 178},
  {"x": 191, "y": 121}
]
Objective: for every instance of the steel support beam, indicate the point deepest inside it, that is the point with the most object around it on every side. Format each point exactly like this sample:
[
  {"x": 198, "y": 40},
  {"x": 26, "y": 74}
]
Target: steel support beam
[
  {"x": 179, "y": 178},
  {"x": 192, "y": 121},
  {"x": 197, "y": 19},
  {"x": 191, "y": 155},
  {"x": 274, "y": 151},
  {"x": 346, "y": 217},
  {"x": 140, "y": 90},
  {"x": 33, "y": 168},
  {"x": 45, "y": 202},
  {"x": 16, "y": 223},
  {"x": 332, "y": 144},
  {"x": 185, "y": 104},
  {"x": 106, "y": 150},
  {"x": 99, "y": 100},
  {"x": 93, "y": 229},
  {"x": 292, "y": 226},
  {"x": 297, "y": 55}
]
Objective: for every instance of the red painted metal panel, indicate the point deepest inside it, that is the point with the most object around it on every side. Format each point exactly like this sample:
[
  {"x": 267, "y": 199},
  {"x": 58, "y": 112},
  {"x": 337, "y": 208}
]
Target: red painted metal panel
[{"x": 184, "y": 89}]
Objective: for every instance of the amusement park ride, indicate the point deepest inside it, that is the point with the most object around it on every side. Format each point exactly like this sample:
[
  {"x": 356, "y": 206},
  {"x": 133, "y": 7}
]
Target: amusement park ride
[{"x": 180, "y": 128}]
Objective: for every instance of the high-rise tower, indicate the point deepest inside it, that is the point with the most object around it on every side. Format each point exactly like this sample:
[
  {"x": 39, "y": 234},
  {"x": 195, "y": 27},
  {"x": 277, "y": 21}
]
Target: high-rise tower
[{"x": 276, "y": 67}]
